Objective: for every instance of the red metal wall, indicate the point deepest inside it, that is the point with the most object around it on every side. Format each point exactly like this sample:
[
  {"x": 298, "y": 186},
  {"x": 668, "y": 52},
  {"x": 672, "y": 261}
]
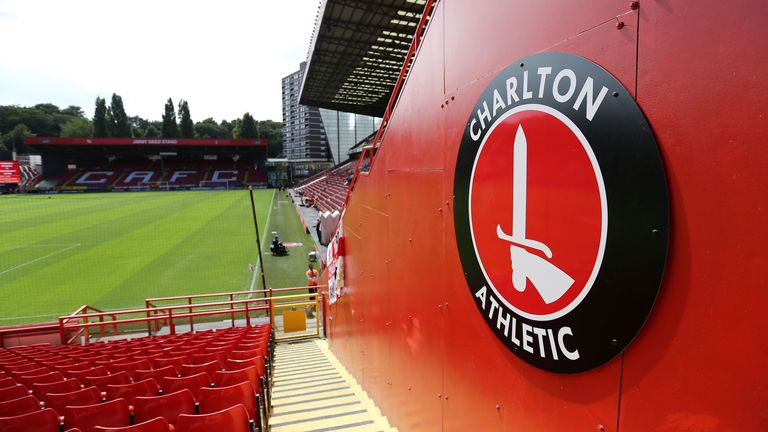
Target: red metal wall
[{"x": 407, "y": 327}]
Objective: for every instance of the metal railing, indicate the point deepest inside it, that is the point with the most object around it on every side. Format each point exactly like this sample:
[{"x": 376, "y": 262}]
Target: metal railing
[
  {"x": 81, "y": 323},
  {"x": 82, "y": 314},
  {"x": 370, "y": 151}
]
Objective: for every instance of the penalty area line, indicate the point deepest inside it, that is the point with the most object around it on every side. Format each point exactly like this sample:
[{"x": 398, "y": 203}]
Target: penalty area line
[
  {"x": 39, "y": 259},
  {"x": 258, "y": 260}
]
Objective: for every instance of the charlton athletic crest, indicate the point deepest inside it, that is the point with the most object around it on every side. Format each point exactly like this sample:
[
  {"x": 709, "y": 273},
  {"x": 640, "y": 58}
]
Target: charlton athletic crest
[{"x": 561, "y": 212}]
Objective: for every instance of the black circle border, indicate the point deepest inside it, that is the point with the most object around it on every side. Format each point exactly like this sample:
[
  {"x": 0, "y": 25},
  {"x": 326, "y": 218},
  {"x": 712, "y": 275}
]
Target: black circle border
[{"x": 627, "y": 285}]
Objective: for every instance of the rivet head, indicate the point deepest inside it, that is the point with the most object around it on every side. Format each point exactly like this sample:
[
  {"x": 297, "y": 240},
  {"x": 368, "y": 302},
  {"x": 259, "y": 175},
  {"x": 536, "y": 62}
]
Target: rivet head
[
  {"x": 634, "y": 5},
  {"x": 615, "y": 94},
  {"x": 620, "y": 25},
  {"x": 614, "y": 342},
  {"x": 601, "y": 428},
  {"x": 498, "y": 407}
]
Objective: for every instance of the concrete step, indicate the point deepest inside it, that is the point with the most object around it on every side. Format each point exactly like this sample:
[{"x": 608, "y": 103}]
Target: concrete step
[{"x": 312, "y": 392}]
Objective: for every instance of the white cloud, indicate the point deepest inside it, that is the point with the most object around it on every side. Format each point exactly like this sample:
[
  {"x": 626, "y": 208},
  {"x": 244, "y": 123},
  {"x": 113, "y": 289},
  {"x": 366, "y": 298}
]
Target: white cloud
[{"x": 225, "y": 57}]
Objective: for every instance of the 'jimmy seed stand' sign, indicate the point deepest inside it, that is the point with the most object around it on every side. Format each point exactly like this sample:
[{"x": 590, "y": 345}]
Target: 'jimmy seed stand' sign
[{"x": 561, "y": 212}]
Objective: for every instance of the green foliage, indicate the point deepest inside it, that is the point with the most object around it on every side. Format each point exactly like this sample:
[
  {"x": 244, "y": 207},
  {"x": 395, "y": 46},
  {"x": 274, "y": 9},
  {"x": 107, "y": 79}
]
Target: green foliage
[
  {"x": 228, "y": 127},
  {"x": 74, "y": 111},
  {"x": 47, "y": 119},
  {"x": 170, "y": 127},
  {"x": 118, "y": 126},
  {"x": 77, "y": 128},
  {"x": 272, "y": 131},
  {"x": 100, "y": 119},
  {"x": 245, "y": 128},
  {"x": 152, "y": 132},
  {"x": 14, "y": 139},
  {"x": 39, "y": 122},
  {"x": 186, "y": 127},
  {"x": 208, "y": 128}
]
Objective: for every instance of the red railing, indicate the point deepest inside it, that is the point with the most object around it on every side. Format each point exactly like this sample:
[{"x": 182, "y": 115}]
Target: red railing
[
  {"x": 370, "y": 151},
  {"x": 83, "y": 313},
  {"x": 150, "y": 303},
  {"x": 79, "y": 323}
]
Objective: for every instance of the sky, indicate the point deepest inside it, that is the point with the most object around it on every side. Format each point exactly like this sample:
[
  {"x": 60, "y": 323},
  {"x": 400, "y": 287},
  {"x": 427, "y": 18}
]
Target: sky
[{"x": 225, "y": 57}]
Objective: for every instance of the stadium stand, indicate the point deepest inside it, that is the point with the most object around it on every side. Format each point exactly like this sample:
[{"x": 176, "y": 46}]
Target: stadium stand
[
  {"x": 96, "y": 387},
  {"x": 327, "y": 191},
  {"x": 128, "y": 164}
]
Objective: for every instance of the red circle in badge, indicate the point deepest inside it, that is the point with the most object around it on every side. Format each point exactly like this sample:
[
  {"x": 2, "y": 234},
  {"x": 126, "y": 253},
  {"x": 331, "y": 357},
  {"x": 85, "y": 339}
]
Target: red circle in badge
[{"x": 563, "y": 212}]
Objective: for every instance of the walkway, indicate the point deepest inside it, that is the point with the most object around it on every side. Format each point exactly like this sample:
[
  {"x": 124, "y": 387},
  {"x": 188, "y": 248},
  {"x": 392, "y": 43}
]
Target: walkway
[{"x": 313, "y": 392}]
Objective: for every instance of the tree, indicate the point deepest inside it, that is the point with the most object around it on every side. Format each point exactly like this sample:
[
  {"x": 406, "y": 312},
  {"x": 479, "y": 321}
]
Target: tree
[
  {"x": 272, "y": 131},
  {"x": 77, "y": 128},
  {"x": 227, "y": 127},
  {"x": 170, "y": 128},
  {"x": 186, "y": 127},
  {"x": 120, "y": 127},
  {"x": 15, "y": 138},
  {"x": 152, "y": 132},
  {"x": 100, "y": 119},
  {"x": 74, "y": 111},
  {"x": 47, "y": 108},
  {"x": 208, "y": 128},
  {"x": 246, "y": 128}
]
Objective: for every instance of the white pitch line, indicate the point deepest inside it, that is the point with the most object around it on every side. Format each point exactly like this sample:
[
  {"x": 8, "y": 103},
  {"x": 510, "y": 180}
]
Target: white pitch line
[
  {"x": 39, "y": 259},
  {"x": 258, "y": 260}
]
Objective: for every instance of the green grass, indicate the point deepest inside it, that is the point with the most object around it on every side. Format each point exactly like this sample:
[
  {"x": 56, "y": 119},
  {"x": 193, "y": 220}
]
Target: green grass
[{"x": 113, "y": 250}]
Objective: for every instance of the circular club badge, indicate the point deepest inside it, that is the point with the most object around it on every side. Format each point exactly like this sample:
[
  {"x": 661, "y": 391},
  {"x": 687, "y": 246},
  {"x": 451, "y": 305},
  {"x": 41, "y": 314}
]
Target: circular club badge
[{"x": 561, "y": 212}]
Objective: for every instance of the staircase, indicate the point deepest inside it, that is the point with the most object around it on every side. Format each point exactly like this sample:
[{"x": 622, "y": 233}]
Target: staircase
[{"x": 312, "y": 392}]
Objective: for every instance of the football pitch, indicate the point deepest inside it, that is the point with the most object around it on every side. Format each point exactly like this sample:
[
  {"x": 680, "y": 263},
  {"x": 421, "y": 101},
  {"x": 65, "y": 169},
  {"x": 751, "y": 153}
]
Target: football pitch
[{"x": 113, "y": 250}]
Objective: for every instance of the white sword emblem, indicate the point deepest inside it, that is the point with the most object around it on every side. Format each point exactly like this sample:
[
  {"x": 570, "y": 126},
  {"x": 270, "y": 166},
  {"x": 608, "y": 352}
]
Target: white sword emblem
[{"x": 546, "y": 278}]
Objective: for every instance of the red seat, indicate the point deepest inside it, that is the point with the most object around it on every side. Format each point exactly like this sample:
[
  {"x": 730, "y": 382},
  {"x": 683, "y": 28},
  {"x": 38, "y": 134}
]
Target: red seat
[
  {"x": 59, "y": 401},
  {"x": 261, "y": 347},
  {"x": 103, "y": 381},
  {"x": 18, "y": 373},
  {"x": 210, "y": 368},
  {"x": 176, "y": 362},
  {"x": 203, "y": 358},
  {"x": 129, "y": 392},
  {"x": 168, "y": 406},
  {"x": 228, "y": 378},
  {"x": 44, "y": 378},
  {"x": 155, "y": 425},
  {"x": 13, "y": 392},
  {"x": 19, "y": 368},
  {"x": 192, "y": 383},
  {"x": 109, "y": 414},
  {"x": 219, "y": 398},
  {"x": 7, "y": 382},
  {"x": 243, "y": 355},
  {"x": 39, "y": 389},
  {"x": 258, "y": 362},
  {"x": 90, "y": 372},
  {"x": 66, "y": 369},
  {"x": 234, "y": 419},
  {"x": 37, "y": 421},
  {"x": 129, "y": 367},
  {"x": 156, "y": 374},
  {"x": 22, "y": 405}
]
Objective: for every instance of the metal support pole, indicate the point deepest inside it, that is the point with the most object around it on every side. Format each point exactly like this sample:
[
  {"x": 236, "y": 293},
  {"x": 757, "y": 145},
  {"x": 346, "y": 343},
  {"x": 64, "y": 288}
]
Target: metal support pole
[{"x": 258, "y": 239}]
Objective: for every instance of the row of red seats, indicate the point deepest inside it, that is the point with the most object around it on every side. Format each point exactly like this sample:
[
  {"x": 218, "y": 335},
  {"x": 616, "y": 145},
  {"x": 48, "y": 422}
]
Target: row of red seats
[
  {"x": 115, "y": 417},
  {"x": 133, "y": 369}
]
